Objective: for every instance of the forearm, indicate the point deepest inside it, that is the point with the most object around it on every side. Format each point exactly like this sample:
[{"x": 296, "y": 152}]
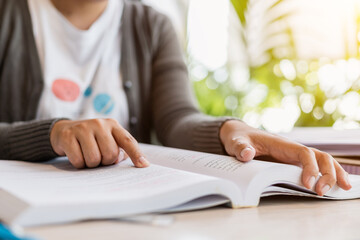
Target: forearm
[
  {"x": 195, "y": 131},
  {"x": 29, "y": 141},
  {"x": 177, "y": 120}
]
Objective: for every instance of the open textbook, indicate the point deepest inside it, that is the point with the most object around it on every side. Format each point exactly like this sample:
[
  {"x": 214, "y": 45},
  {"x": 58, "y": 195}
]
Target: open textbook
[{"x": 177, "y": 180}]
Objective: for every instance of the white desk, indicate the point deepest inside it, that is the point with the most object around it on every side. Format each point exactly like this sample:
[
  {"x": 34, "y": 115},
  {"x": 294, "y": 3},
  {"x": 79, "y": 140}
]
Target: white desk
[{"x": 275, "y": 218}]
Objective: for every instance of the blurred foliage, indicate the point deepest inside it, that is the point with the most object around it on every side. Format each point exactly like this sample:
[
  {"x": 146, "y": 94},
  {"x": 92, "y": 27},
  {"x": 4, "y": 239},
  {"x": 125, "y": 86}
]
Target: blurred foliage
[{"x": 277, "y": 70}]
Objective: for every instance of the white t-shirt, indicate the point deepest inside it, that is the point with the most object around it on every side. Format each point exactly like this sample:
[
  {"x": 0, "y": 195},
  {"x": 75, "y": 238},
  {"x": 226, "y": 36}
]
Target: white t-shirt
[{"x": 81, "y": 68}]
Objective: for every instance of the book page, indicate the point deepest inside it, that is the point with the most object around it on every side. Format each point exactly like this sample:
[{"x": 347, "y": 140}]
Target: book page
[
  {"x": 253, "y": 178},
  {"x": 59, "y": 182},
  {"x": 56, "y": 192},
  {"x": 210, "y": 164}
]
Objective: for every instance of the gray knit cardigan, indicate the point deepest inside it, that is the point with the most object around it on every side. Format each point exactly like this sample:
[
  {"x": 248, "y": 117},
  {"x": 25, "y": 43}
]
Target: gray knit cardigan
[{"x": 154, "y": 76}]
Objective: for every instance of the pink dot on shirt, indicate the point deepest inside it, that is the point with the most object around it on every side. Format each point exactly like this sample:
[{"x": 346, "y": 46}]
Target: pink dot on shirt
[{"x": 65, "y": 90}]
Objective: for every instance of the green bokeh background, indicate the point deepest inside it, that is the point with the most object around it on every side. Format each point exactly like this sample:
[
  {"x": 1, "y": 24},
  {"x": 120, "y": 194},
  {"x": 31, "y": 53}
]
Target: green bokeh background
[{"x": 212, "y": 94}]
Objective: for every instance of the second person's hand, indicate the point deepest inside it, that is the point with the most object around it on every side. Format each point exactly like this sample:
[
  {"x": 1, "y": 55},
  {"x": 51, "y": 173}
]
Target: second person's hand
[{"x": 245, "y": 143}]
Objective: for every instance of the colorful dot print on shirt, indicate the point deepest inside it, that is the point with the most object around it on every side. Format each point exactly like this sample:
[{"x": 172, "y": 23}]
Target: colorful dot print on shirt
[
  {"x": 88, "y": 92},
  {"x": 65, "y": 90},
  {"x": 103, "y": 103}
]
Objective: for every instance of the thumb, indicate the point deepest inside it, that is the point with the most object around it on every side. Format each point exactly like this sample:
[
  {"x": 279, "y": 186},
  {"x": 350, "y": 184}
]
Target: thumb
[
  {"x": 122, "y": 156},
  {"x": 243, "y": 150}
]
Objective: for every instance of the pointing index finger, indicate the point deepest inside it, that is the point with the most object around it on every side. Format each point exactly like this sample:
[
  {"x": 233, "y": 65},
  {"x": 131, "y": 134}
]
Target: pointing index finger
[{"x": 127, "y": 142}]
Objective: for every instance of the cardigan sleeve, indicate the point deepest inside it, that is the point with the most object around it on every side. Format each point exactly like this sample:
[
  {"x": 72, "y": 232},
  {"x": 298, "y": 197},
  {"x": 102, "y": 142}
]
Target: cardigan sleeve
[
  {"x": 29, "y": 141},
  {"x": 20, "y": 137},
  {"x": 177, "y": 120}
]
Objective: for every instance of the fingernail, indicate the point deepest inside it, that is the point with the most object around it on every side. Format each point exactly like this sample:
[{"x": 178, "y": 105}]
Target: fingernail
[
  {"x": 143, "y": 162},
  {"x": 312, "y": 181},
  {"x": 325, "y": 189},
  {"x": 245, "y": 151}
]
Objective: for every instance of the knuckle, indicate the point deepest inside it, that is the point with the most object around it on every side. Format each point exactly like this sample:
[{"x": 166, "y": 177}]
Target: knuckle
[
  {"x": 137, "y": 155},
  {"x": 82, "y": 127},
  {"x": 324, "y": 154},
  {"x": 112, "y": 121},
  {"x": 77, "y": 162},
  {"x": 110, "y": 155},
  {"x": 305, "y": 152},
  {"x": 329, "y": 157},
  {"x": 314, "y": 173},
  {"x": 66, "y": 139},
  {"x": 325, "y": 158},
  {"x": 128, "y": 138},
  {"x": 93, "y": 160},
  {"x": 67, "y": 133},
  {"x": 97, "y": 122},
  {"x": 311, "y": 170}
]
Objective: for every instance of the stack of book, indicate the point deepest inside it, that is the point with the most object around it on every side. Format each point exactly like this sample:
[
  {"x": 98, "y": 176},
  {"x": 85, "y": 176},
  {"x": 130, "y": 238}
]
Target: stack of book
[{"x": 344, "y": 145}]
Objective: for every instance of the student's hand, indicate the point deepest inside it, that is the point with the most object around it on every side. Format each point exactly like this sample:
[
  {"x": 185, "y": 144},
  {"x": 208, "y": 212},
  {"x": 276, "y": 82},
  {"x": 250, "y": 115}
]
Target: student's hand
[
  {"x": 245, "y": 143},
  {"x": 89, "y": 143}
]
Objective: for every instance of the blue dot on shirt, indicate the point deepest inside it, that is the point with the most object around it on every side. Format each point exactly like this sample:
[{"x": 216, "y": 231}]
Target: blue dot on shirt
[
  {"x": 88, "y": 92},
  {"x": 103, "y": 103}
]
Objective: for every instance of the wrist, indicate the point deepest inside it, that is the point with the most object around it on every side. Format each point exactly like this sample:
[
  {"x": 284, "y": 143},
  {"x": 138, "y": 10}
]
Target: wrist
[
  {"x": 234, "y": 129},
  {"x": 228, "y": 127}
]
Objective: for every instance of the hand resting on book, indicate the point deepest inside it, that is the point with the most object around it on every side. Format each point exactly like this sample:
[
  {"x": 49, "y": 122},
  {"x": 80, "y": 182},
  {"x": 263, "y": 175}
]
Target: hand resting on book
[
  {"x": 246, "y": 143},
  {"x": 94, "y": 142}
]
